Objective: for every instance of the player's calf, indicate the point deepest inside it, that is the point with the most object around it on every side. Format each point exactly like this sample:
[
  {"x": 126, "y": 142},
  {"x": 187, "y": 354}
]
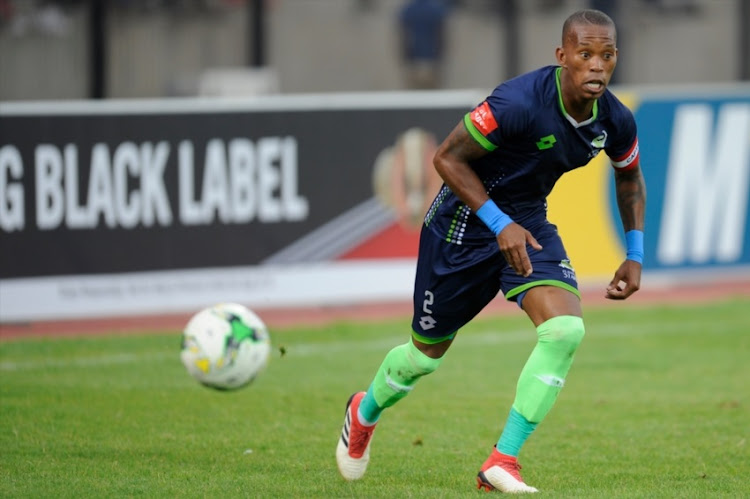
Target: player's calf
[{"x": 544, "y": 374}]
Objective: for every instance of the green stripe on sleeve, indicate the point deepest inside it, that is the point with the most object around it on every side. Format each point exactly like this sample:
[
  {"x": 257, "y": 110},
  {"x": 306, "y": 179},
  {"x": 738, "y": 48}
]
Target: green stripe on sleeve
[{"x": 477, "y": 134}]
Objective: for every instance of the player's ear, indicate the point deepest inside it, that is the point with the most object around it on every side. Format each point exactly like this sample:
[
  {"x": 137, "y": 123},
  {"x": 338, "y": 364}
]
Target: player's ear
[{"x": 560, "y": 56}]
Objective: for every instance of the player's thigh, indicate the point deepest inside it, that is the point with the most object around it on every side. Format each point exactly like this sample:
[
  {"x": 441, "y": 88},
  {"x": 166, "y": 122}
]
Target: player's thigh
[
  {"x": 542, "y": 303},
  {"x": 552, "y": 287},
  {"x": 453, "y": 284}
]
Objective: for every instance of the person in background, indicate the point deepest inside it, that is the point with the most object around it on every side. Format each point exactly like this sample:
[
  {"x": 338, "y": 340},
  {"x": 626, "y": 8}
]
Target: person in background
[{"x": 422, "y": 25}]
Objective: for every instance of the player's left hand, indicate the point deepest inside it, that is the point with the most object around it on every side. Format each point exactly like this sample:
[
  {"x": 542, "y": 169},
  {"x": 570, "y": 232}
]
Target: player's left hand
[{"x": 627, "y": 281}]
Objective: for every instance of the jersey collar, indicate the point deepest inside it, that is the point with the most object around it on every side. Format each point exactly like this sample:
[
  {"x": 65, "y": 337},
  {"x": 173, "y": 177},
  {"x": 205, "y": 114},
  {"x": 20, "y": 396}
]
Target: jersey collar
[{"x": 594, "y": 111}]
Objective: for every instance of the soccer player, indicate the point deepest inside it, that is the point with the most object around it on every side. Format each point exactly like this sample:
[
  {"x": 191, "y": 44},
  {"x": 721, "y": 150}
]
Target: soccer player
[{"x": 487, "y": 231}]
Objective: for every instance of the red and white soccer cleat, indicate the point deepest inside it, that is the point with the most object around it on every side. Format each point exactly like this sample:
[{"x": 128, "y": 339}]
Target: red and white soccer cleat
[
  {"x": 353, "y": 450},
  {"x": 502, "y": 472}
]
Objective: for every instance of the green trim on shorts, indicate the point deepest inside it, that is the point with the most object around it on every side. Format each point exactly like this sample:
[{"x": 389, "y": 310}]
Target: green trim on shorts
[
  {"x": 546, "y": 282},
  {"x": 432, "y": 341}
]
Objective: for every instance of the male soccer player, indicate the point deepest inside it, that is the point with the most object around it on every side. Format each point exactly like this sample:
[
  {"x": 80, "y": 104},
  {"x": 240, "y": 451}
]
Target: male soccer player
[{"x": 487, "y": 231}]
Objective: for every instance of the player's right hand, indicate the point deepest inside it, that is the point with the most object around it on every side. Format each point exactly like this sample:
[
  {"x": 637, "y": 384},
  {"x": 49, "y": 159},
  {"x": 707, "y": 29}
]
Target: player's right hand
[{"x": 512, "y": 241}]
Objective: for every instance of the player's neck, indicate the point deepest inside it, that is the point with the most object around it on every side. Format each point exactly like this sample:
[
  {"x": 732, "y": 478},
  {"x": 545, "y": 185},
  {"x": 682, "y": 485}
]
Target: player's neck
[{"x": 580, "y": 110}]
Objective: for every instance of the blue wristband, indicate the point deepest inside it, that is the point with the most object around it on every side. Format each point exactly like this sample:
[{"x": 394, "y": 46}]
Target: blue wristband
[
  {"x": 493, "y": 217},
  {"x": 634, "y": 242}
]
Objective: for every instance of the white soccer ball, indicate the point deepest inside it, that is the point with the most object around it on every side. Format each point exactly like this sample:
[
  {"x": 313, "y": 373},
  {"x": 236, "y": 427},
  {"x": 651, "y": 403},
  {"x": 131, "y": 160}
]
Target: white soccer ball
[{"x": 225, "y": 346}]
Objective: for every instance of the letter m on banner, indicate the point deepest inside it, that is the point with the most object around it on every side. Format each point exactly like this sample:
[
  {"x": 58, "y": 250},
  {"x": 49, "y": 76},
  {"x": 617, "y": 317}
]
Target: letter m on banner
[{"x": 706, "y": 191}]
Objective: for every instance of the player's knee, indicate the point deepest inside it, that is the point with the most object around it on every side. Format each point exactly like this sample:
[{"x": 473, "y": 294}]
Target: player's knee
[
  {"x": 574, "y": 333},
  {"x": 565, "y": 331},
  {"x": 422, "y": 363}
]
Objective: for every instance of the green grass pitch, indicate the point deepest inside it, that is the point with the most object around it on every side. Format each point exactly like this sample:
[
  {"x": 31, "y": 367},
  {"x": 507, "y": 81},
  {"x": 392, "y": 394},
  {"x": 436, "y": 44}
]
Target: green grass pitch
[{"x": 657, "y": 405}]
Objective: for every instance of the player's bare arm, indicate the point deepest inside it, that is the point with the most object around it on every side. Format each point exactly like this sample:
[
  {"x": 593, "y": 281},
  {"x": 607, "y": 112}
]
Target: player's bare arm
[
  {"x": 452, "y": 164},
  {"x": 630, "y": 190}
]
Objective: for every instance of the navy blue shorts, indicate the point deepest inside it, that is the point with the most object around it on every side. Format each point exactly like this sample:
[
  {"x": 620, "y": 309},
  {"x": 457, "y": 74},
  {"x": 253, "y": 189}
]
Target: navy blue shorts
[{"x": 455, "y": 282}]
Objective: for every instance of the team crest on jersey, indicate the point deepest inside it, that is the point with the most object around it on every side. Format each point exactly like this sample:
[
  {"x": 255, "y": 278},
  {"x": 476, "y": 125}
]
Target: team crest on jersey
[
  {"x": 598, "y": 144},
  {"x": 599, "y": 141}
]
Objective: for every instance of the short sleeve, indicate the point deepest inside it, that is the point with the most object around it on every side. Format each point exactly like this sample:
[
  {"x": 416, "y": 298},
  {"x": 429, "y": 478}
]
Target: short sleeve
[
  {"x": 496, "y": 119},
  {"x": 624, "y": 152}
]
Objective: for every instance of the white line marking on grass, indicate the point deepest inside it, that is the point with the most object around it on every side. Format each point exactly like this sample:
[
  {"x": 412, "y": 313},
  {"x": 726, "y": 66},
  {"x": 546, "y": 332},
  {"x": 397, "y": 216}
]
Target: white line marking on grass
[
  {"x": 84, "y": 362},
  {"x": 481, "y": 338}
]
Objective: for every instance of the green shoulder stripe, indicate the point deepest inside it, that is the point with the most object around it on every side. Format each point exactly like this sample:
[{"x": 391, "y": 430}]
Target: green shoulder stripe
[{"x": 477, "y": 134}]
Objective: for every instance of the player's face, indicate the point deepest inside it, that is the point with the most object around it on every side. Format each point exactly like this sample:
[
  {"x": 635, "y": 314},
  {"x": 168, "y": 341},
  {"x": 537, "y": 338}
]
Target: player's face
[{"x": 588, "y": 56}]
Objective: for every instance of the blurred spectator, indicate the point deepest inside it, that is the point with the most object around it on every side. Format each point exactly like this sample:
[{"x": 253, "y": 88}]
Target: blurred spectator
[
  {"x": 422, "y": 30},
  {"x": 365, "y": 5},
  {"x": 668, "y": 7},
  {"x": 41, "y": 16},
  {"x": 176, "y": 6},
  {"x": 6, "y": 11},
  {"x": 609, "y": 7}
]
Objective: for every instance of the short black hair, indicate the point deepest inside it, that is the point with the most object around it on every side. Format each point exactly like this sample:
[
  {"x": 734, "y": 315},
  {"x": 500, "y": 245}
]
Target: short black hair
[{"x": 587, "y": 16}]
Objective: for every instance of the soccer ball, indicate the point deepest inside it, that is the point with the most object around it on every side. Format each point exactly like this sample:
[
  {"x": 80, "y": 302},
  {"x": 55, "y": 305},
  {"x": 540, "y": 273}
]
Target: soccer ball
[{"x": 225, "y": 346}]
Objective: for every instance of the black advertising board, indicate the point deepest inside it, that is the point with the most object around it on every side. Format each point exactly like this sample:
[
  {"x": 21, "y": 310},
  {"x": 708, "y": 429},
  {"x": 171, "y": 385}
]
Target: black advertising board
[
  {"x": 127, "y": 207},
  {"x": 127, "y": 192}
]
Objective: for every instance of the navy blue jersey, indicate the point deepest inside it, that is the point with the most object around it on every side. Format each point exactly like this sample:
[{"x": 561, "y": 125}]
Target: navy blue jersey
[{"x": 532, "y": 142}]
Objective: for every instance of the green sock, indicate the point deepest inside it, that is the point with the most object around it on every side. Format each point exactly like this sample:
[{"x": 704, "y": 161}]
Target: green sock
[
  {"x": 543, "y": 376},
  {"x": 395, "y": 378},
  {"x": 541, "y": 380},
  {"x": 369, "y": 412},
  {"x": 517, "y": 429}
]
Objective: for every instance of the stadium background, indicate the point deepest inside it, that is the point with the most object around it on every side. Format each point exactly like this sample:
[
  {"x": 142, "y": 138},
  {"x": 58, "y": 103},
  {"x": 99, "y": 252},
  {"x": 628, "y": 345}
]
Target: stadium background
[{"x": 291, "y": 83}]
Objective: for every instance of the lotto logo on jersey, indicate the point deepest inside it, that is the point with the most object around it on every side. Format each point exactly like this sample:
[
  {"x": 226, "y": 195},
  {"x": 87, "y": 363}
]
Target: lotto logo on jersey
[{"x": 482, "y": 118}]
